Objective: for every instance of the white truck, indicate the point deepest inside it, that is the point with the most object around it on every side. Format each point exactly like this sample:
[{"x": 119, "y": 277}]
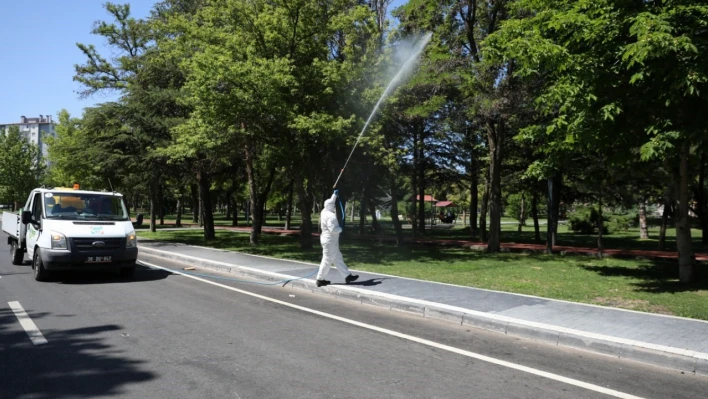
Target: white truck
[{"x": 71, "y": 229}]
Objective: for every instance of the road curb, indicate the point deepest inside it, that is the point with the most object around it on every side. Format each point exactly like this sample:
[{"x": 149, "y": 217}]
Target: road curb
[{"x": 674, "y": 358}]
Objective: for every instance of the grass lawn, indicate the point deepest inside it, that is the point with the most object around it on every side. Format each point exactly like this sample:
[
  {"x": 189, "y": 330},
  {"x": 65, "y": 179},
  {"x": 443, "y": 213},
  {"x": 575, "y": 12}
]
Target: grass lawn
[
  {"x": 617, "y": 240},
  {"x": 631, "y": 284}
]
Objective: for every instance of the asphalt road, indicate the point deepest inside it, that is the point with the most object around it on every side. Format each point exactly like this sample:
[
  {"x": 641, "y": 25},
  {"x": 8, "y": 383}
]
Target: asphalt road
[{"x": 164, "y": 335}]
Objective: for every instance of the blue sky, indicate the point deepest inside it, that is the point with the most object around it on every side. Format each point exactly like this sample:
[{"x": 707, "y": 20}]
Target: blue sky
[{"x": 38, "y": 53}]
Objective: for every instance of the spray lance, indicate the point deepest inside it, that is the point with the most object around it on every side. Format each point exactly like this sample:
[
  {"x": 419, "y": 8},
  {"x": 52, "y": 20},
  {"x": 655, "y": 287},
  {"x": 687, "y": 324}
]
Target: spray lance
[{"x": 405, "y": 69}]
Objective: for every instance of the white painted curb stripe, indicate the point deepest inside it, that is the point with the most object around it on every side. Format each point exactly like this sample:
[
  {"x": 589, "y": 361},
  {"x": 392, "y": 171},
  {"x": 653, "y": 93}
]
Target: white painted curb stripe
[
  {"x": 27, "y": 323},
  {"x": 507, "y": 319},
  {"x": 499, "y": 362}
]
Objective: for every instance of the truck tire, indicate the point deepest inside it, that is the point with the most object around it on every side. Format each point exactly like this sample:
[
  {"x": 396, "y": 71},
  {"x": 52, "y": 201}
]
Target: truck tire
[
  {"x": 17, "y": 254},
  {"x": 40, "y": 273}
]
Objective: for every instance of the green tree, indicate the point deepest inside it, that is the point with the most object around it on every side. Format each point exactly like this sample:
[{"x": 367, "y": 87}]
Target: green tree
[
  {"x": 618, "y": 72},
  {"x": 265, "y": 80},
  {"x": 486, "y": 84},
  {"x": 22, "y": 166},
  {"x": 140, "y": 122},
  {"x": 66, "y": 153}
]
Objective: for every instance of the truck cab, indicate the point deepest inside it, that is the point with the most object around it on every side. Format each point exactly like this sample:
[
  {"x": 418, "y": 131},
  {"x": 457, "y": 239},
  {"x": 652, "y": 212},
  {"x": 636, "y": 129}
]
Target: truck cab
[{"x": 67, "y": 229}]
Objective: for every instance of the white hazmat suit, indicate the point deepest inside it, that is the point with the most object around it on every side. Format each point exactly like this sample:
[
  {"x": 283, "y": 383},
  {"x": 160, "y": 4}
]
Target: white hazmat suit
[{"x": 329, "y": 238}]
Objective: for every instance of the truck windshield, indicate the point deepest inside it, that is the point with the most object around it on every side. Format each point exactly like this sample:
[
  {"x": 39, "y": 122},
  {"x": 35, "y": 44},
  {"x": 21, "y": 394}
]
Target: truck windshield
[{"x": 84, "y": 206}]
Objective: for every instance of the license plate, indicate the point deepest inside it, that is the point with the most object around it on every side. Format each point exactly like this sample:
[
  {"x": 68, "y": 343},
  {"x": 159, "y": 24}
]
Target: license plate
[{"x": 98, "y": 259}]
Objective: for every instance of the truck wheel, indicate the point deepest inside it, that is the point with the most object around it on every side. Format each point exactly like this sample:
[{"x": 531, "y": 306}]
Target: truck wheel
[
  {"x": 40, "y": 273},
  {"x": 18, "y": 256},
  {"x": 127, "y": 272}
]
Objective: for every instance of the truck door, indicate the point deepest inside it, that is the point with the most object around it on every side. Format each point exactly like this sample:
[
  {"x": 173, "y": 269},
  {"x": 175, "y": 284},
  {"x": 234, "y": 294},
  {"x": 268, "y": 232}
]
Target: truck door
[
  {"x": 32, "y": 231},
  {"x": 23, "y": 228}
]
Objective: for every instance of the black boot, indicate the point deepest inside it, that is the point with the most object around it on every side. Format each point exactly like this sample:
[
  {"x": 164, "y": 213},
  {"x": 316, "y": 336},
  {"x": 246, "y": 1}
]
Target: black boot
[
  {"x": 321, "y": 283},
  {"x": 351, "y": 278}
]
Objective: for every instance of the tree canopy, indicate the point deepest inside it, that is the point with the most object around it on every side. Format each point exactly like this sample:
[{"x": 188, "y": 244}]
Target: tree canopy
[{"x": 514, "y": 107}]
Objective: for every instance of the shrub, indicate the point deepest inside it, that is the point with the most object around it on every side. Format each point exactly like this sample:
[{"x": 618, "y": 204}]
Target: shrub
[
  {"x": 623, "y": 222},
  {"x": 583, "y": 220},
  {"x": 513, "y": 208}
]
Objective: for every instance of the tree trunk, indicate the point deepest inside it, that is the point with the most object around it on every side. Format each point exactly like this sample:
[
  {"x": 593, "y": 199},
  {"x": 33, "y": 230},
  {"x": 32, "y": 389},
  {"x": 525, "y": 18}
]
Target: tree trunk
[
  {"x": 305, "y": 205},
  {"x": 703, "y": 199},
  {"x": 683, "y": 223},
  {"x": 599, "y": 226},
  {"x": 195, "y": 203},
  {"x": 643, "y": 230},
  {"x": 394, "y": 211},
  {"x": 205, "y": 206},
  {"x": 421, "y": 205},
  {"x": 289, "y": 214},
  {"x": 414, "y": 201},
  {"x": 522, "y": 213},
  {"x": 264, "y": 212},
  {"x": 474, "y": 198},
  {"x": 257, "y": 199},
  {"x": 234, "y": 216},
  {"x": 495, "y": 136},
  {"x": 664, "y": 224},
  {"x": 178, "y": 222},
  {"x": 374, "y": 221},
  {"x": 161, "y": 203},
  {"x": 483, "y": 210},
  {"x": 534, "y": 215},
  {"x": 553, "y": 210},
  {"x": 153, "y": 205},
  {"x": 182, "y": 203},
  {"x": 420, "y": 170},
  {"x": 362, "y": 212},
  {"x": 201, "y": 210}
]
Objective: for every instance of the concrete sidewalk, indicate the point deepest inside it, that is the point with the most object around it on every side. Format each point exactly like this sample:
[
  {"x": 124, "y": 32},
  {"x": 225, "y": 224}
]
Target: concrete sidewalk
[{"x": 674, "y": 342}]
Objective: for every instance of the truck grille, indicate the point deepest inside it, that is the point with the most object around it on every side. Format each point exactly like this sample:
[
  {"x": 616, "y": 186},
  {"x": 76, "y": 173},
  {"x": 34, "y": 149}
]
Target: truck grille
[{"x": 87, "y": 244}]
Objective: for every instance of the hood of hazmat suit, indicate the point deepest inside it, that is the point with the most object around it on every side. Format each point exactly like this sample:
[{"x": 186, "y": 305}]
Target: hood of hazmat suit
[{"x": 330, "y": 203}]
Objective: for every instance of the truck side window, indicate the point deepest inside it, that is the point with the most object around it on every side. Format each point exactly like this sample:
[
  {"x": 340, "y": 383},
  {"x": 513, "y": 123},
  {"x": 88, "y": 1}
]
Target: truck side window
[{"x": 37, "y": 207}]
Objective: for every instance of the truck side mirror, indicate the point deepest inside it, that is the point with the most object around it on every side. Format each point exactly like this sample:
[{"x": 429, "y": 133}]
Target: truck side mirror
[{"x": 26, "y": 217}]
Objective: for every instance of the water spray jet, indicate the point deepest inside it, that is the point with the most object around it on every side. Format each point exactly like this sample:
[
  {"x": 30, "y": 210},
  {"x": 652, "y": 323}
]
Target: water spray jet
[{"x": 407, "y": 67}]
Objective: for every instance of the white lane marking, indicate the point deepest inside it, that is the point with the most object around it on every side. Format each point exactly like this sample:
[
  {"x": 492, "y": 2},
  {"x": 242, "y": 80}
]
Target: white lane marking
[
  {"x": 27, "y": 323},
  {"x": 504, "y": 363}
]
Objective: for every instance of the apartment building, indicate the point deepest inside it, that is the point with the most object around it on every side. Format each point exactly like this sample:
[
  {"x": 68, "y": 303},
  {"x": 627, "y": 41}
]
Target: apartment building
[{"x": 35, "y": 130}]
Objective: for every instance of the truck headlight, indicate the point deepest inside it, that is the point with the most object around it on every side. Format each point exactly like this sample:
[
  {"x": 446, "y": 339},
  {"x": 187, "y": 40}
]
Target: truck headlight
[
  {"x": 131, "y": 240},
  {"x": 58, "y": 240}
]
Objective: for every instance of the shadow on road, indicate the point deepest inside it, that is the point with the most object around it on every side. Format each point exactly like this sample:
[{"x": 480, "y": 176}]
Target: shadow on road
[
  {"x": 13, "y": 274},
  {"x": 77, "y": 363},
  {"x": 142, "y": 275}
]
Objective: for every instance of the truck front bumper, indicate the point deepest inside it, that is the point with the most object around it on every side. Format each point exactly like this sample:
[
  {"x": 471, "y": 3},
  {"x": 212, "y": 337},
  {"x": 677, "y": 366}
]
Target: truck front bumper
[{"x": 65, "y": 260}]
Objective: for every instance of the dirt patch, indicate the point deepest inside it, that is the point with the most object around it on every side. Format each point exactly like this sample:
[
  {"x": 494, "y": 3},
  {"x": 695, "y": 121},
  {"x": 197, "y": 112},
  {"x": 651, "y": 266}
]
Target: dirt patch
[{"x": 631, "y": 304}]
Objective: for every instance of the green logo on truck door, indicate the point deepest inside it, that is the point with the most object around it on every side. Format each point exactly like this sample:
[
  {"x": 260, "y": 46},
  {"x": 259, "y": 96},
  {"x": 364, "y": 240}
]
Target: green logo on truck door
[{"x": 32, "y": 233}]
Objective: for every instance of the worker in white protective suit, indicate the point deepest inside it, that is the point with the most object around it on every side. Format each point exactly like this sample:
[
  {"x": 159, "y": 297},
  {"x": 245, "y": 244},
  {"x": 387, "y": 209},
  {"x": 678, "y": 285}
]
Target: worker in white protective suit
[{"x": 329, "y": 238}]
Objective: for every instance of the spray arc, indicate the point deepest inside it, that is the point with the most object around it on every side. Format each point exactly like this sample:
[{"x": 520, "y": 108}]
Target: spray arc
[{"x": 397, "y": 79}]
